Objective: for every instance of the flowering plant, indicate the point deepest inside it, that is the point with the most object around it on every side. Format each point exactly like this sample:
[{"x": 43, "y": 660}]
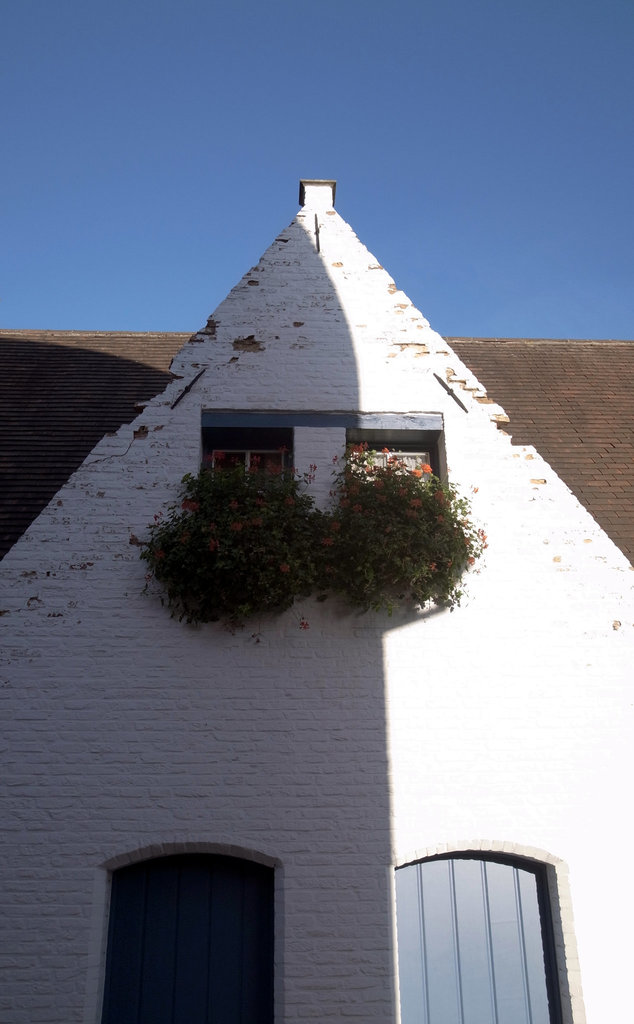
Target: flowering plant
[
  {"x": 238, "y": 544},
  {"x": 242, "y": 543},
  {"x": 396, "y": 533}
]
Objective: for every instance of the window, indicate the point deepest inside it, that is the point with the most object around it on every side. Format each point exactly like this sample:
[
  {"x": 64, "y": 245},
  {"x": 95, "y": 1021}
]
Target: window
[
  {"x": 416, "y": 445},
  {"x": 247, "y": 446},
  {"x": 475, "y": 942},
  {"x": 190, "y": 941},
  {"x": 241, "y": 436}
]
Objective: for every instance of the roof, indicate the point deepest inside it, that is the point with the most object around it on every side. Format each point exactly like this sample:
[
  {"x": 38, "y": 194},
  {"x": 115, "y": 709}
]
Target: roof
[
  {"x": 572, "y": 400},
  {"x": 62, "y": 391}
]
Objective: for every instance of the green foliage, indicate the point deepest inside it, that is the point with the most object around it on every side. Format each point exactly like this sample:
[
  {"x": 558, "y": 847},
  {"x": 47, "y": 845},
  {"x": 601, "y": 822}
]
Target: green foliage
[
  {"x": 396, "y": 534},
  {"x": 240, "y": 544}
]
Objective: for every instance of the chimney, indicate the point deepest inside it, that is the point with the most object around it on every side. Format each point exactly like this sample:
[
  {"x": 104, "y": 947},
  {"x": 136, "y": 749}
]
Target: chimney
[{"x": 317, "y": 193}]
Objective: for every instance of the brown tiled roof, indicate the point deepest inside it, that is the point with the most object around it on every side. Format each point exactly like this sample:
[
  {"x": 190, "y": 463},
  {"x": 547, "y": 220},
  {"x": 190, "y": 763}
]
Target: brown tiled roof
[
  {"x": 574, "y": 402},
  {"x": 60, "y": 392}
]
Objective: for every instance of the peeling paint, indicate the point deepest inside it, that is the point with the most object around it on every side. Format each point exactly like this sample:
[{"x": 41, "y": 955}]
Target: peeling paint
[{"x": 248, "y": 344}]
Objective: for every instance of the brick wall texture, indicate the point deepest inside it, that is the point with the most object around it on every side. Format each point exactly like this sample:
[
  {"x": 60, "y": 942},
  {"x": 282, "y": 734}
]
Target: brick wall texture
[{"x": 334, "y": 753}]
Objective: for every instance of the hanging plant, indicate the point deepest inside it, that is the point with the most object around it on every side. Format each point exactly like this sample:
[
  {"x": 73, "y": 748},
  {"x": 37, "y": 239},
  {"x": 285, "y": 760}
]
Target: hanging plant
[
  {"x": 396, "y": 534},
  {"x": 238, "y": 544},
  {"x": 241, "y": 544}
]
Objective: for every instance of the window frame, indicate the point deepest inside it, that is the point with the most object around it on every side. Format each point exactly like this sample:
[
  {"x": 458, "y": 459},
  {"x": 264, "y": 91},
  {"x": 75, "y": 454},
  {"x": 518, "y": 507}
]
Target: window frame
[{"x": 406, "y": 432}]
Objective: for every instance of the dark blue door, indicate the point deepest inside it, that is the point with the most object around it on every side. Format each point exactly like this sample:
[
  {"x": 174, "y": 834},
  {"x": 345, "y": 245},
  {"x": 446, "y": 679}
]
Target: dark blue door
[{"x": 190, "y": 941}]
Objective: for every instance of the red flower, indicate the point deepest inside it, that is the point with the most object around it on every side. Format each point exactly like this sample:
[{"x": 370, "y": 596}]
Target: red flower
[
  {"x": 289, "y": 500},
  {"x": 233, "y": 504},
  {"x": 416, "y": 503},
  {"x": 285, "y": 567},
  {"x": 417, "y": 472},
  {"x": 303, "y": 624},
  {"x": 426, "y": 468},
  {"x": 159, "y": 554},
  {"x": 213, "y": 544},
  {"x": 357, "y": 508},
  {"x": 237, "y": 526},
  {"x": 190, "y": 506},
  {"x": 327, "y": 541}
]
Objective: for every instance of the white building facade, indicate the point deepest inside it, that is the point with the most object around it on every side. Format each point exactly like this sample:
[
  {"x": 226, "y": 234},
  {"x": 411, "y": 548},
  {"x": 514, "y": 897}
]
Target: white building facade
[{"x": 496, "y": 736}]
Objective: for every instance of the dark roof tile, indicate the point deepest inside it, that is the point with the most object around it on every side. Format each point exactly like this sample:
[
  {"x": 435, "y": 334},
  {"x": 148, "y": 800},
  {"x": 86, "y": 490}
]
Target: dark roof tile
[{"x": 60, "y": 392}]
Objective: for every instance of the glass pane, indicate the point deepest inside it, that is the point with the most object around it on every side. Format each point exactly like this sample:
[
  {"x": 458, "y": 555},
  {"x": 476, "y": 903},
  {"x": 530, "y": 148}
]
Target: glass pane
[
  {"x": 265, "y": 460},
  {"x": 228, "y": 460}
]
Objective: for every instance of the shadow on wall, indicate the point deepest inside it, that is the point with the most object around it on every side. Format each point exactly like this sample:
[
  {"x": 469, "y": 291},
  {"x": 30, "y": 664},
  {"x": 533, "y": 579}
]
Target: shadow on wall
[{"x": 277, "y": 747}]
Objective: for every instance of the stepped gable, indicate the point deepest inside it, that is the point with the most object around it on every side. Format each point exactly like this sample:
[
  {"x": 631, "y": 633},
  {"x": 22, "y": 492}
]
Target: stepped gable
[
  {"x": 60, "y": 393},
  {"x": 572, "y": 400}
]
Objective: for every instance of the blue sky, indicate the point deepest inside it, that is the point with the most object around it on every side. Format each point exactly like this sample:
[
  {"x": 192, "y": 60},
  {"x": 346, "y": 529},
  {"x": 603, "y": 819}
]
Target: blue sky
[{"x": 483, "y": 151}]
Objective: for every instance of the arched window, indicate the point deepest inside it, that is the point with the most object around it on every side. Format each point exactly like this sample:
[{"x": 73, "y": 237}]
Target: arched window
[
  {"x": 475, "y": 942},
  {"x": 190, "y": 941}
]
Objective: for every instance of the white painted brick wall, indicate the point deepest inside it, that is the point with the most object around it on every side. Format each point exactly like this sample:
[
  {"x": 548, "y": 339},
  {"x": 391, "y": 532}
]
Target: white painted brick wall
[{"x": 334, "y": 753}]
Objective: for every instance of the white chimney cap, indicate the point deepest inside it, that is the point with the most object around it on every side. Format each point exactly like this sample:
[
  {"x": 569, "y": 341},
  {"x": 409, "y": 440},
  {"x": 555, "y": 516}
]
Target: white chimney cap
[{"x": 317, "y": 192}]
